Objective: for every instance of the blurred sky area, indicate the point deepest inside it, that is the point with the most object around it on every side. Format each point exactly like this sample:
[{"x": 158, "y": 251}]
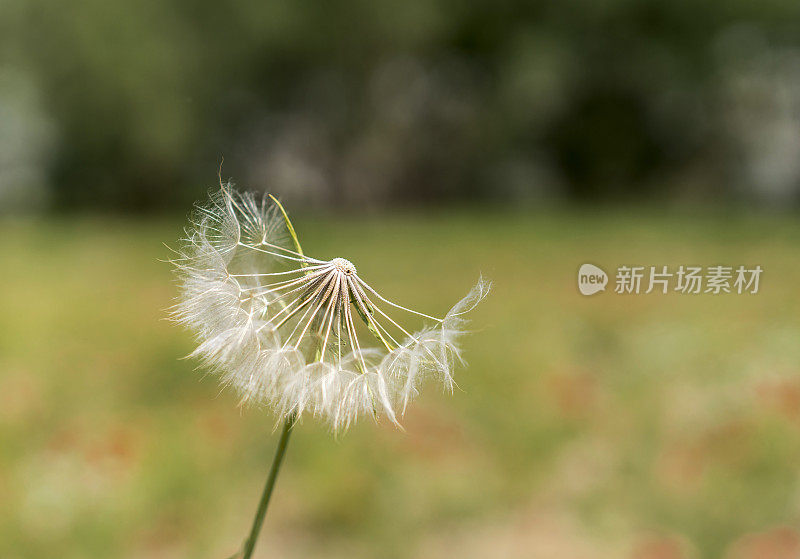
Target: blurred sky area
[{"x": 131, "y": 106}]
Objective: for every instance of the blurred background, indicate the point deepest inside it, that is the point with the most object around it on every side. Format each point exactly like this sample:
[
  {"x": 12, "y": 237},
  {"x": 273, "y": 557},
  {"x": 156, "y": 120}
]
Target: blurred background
[{"x": 427, "y": 141}]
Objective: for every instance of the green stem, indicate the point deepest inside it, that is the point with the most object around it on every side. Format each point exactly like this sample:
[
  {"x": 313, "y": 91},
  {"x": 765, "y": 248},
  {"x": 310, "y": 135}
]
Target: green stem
[{"x": 250, "y": 544}]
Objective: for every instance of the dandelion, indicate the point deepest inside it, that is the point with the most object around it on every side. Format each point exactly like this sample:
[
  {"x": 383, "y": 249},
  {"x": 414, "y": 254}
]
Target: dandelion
[{"x": 298, "y": 334}]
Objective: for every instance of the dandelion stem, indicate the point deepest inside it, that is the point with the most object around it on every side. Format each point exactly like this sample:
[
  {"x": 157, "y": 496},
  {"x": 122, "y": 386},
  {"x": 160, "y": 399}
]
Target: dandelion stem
[{"x": 250, "y": 544}]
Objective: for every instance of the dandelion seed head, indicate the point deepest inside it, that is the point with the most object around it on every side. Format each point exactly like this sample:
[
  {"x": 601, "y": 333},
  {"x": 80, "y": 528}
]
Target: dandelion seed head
[
  {"x": 344, "y": 266},
  {"x": 299, "y": 334}
]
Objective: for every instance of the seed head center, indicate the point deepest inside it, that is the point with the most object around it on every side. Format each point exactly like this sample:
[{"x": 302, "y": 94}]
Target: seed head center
[{"x": 344, "y": 266}]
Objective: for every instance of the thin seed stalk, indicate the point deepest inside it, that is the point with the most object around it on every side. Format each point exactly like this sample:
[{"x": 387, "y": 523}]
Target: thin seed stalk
[{"x": 250, "y": 543}]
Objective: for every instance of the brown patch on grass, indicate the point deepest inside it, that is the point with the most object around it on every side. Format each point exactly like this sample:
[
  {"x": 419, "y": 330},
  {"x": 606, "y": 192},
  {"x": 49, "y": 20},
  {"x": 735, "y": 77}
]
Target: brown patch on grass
[
  {"x": 574, "y": 393},
  {"x": 776, "y": 543},
  {"x": 781, "y": 396},
  {"x": 660, "y": 547}
]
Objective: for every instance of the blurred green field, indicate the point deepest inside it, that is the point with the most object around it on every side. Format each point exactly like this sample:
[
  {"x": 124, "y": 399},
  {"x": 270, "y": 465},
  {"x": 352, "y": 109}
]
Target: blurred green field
[{"x": 649, "y": 426}]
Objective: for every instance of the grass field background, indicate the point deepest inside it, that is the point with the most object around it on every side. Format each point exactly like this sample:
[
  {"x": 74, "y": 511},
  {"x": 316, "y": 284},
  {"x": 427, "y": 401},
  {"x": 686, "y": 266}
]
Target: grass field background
[{"x": 647, "y": 426}]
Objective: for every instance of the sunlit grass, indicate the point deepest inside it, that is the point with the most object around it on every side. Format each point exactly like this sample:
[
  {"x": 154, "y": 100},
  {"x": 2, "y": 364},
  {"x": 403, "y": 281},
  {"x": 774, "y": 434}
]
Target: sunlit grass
[{"x": 609, "y": 420}]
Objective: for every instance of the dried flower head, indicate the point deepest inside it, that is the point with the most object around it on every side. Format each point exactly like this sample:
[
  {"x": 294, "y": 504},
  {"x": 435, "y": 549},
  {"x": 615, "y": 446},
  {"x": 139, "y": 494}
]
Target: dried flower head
[{"x": 296, "y": 332}]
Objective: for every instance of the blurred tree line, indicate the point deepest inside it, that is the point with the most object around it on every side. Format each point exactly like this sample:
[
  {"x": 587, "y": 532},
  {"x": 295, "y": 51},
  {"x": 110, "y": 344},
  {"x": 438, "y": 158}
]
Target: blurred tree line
[{"x": 132, "y": 105}]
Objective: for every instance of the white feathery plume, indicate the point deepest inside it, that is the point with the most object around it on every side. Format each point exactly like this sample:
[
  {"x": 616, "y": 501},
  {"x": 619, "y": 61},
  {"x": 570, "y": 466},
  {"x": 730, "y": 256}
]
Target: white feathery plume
[{"x": 290, "y": 331}]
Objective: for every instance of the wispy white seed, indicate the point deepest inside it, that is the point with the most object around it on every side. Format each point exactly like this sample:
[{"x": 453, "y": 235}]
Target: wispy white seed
[{"x": 301, "y": 334}]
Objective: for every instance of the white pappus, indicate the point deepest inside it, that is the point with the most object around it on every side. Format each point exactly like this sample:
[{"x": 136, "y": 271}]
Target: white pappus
[{"x": 298, "y": 333}]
